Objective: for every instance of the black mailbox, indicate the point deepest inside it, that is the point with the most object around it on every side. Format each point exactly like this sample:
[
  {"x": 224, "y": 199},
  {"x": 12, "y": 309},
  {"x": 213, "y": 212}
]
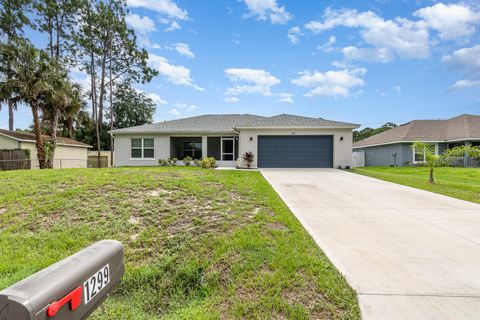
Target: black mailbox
[{"x": 69, "y": 289}]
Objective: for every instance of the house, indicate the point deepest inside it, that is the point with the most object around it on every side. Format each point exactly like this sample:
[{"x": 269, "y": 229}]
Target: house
[
  {"x": 395, "y": 146},
  {"x": 279, "y": 141},
  {"x": 68, "y": 154}
]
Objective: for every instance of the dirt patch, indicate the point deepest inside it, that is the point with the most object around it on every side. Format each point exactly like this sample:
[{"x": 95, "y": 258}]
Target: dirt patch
[
  {"x": 277, "y": 226},
  {"x": 158, "y": 192},
  {"x": 3, "y": 210}
]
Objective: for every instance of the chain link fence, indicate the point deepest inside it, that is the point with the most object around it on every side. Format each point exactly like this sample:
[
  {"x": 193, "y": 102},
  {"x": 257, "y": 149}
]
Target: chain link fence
[{"x": 25, "y": 164}]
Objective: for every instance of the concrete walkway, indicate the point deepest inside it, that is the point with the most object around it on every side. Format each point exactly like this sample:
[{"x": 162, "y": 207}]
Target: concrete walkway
[{"x": 409, "y": 254}]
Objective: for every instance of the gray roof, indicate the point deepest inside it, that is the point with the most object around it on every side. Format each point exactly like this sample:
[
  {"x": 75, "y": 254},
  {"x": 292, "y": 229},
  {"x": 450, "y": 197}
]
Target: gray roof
[
  {"x": 289, "y": 120},
  {"x": 204, "y": 123},
  {"x": 229, "y": 122},
  {"x": 463, "y": 127}
]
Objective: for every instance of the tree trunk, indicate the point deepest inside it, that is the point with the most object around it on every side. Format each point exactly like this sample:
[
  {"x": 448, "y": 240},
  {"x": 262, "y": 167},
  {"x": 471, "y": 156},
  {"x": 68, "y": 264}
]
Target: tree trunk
[
  {"x": 430, "y": 179},
  {"x": 70, "y": 126},
  {"x": 38, "y": 137},
  {"x": 53, "y": 139},
  {"x": 10, "y": 115},
  {"x": 111, "y": 106}
]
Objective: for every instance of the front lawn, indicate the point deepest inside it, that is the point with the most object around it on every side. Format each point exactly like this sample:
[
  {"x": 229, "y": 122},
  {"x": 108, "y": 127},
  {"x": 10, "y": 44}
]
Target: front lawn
[
  {"x": 200, "y": 244},
  {"x": 461, "y": 183}
]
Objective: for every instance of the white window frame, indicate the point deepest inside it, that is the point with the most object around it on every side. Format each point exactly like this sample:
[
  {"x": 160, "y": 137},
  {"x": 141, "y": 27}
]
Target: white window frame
[
  {"x": 142, "y": 148},
  {"x": 424, "y": 153},
  {"x": 227, "y": 153}
]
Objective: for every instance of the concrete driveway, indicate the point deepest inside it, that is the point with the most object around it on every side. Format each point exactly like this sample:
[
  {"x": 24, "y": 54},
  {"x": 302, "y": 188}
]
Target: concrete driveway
[{"x": 409, "y": 254}]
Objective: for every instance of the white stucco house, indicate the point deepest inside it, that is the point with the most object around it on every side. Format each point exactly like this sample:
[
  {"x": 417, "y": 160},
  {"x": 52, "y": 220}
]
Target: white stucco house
[
  {"x": 277, "y": 142},
  {"x": 68, "y": 154}
]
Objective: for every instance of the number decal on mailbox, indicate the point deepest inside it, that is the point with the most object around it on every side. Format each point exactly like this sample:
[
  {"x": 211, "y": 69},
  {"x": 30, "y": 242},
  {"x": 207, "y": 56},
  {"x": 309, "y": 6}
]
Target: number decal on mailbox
[{"x": 96, "y": 283}]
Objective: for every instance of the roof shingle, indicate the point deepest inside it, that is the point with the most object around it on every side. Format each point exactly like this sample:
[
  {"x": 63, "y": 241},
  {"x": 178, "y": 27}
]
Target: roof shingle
[
  {"x": 458, "y": 128},
  {"x": 30, "y": 137},
  {"x": 229, "y": 122}
]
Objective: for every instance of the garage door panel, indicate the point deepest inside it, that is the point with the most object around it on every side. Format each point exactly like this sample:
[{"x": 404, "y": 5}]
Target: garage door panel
[{"x": 295, "y": 151}]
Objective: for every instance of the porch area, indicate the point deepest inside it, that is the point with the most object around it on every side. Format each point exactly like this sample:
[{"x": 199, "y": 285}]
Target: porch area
[{"x": 223, "y": 148}]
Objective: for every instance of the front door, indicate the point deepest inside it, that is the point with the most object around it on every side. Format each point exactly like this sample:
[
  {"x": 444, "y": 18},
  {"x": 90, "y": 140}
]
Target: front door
[{"x": 228, "y": 149}]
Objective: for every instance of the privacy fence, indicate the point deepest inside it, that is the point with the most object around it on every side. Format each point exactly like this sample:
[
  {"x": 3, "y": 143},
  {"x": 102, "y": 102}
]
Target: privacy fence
[{"x": 16, "y": 159}]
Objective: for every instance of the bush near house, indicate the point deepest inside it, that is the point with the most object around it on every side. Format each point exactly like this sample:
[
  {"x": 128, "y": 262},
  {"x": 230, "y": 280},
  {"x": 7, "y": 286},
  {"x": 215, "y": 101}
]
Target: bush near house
[{"x": 199, "y": 244}]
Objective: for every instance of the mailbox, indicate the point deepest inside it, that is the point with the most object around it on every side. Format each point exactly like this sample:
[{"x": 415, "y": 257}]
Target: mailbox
[{"x": 69, "y": 289}]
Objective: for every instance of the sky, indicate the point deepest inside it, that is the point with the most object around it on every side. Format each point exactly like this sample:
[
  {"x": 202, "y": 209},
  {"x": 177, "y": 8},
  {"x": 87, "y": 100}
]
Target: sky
[{"x": 367, "y": 62}]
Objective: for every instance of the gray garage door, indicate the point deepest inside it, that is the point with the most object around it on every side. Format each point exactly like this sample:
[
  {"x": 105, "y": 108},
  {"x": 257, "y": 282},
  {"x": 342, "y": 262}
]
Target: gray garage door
[{"x": 295, "y": 151}]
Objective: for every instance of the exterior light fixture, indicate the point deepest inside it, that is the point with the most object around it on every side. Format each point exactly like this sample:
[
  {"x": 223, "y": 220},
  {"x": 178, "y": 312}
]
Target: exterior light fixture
[{"x": 341, "y": 138}]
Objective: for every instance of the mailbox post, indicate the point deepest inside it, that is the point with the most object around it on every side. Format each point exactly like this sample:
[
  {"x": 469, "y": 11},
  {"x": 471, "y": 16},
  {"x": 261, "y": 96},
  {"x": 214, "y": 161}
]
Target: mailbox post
[{"x": 69, "y": 289}]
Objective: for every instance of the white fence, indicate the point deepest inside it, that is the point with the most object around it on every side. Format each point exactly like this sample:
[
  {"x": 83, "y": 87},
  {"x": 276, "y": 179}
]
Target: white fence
[{"x": 358, "y": 159}]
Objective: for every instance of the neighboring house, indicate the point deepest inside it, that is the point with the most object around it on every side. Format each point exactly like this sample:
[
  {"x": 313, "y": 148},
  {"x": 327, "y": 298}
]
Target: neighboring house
[
  {"x": 395, "y": 146},
  {"x": 68, "y": 154},
  {"x": 279, "y": 141}
]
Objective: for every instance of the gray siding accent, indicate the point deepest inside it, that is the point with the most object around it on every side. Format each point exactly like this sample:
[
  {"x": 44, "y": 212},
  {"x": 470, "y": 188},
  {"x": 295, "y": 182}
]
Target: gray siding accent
[{"x": 382, "y": 155}]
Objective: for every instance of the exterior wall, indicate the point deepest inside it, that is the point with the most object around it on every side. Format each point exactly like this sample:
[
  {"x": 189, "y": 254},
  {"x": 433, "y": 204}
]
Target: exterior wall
[
  {"x": 65, "y": 156},
  {"x": 342, "y": 150},
  {"x": 8, "y": 144},
  {"x": 382, "y": 155},
  {"x": 122, "y": 153}
]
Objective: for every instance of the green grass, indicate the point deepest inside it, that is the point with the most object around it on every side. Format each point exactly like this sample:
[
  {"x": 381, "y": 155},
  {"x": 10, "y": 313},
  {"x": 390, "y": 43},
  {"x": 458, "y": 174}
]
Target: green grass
[
  {"x": 199, "y": 244},
  {"x": 461, "y": 183}
]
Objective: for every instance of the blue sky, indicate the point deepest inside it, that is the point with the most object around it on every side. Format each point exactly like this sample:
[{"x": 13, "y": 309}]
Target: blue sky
[{"x": 367, "y": 62}]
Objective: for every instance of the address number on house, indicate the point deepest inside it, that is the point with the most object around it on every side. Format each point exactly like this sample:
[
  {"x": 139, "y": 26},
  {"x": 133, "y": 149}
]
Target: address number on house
[{"x": 96, "y": 283}]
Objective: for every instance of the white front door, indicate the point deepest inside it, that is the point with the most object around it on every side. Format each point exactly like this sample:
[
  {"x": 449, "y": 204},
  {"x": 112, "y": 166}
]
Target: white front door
[{"x": 227, "y": 151}]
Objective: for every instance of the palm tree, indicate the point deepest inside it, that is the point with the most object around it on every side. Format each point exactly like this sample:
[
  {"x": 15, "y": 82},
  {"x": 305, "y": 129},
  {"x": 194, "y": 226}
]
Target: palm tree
[{"x": 29, "y": 83}]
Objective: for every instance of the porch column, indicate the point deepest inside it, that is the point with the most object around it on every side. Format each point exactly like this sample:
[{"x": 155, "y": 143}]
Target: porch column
[{"x": 204, "y": 146}]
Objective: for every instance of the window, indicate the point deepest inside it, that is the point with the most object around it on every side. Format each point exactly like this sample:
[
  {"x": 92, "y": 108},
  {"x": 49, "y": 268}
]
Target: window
[
  {"x": 192, "y": 149},
  {"x": 142, "y": 148},
  {"x": 419, "y": 155}
]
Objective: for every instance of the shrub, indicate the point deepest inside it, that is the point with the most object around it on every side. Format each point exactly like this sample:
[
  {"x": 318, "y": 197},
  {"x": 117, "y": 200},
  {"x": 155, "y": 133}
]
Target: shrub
[
  {"x": 196, "y": 162},
  {"x": 208, "y": 162},
  {"x": 172, "y": 161},
  {"x": 163, "y": 162},
  {"x": 187, "y": 160},
  {"x": 248, "y": 157}
]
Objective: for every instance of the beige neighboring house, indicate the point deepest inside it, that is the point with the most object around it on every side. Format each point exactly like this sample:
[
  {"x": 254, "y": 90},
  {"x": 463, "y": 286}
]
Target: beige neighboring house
[
  {"x": 68, "y": 154},
  {"x": 281, "y": 141}
]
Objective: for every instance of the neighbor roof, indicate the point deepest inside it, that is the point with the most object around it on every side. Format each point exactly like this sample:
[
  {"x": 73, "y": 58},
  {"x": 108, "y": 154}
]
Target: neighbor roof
[
  {"x": 463, "y": 127},
  {"x": 230, "y": 122},
  {"x": 30, "y": 137}
]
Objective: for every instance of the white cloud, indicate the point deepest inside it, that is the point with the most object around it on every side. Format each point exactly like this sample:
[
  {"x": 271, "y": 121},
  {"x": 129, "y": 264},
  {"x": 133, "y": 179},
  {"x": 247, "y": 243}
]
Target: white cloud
[
  {"x": 452, "y": 21},
  {"x": 399, "y": 37},
  {"x": 173, "y": 26},
  {"x": 328, "y": 46},
  {"x": 285, "y": 97},
  {"x": 232, "y": 99},
  {"x": 167, "y": 7},
  {"x": 155, "y": 97},
  {"x": 294, "y": 34},
  {"x": 142, "y": 25},
  {"x": 464, "y": 84},
  {"x": 250, "y": 81},
  {"x": 268, "y": 10},
  {"x": 466, "y": 59},
  {"x": 382, "y": 55},
  {"x": 182, "y": 108},
  {"x": 396, "y": 88},
  {"x": 176, "y": 74},
  {"x": 184, "y": 50},
  {"x": 331, "y": 83}
]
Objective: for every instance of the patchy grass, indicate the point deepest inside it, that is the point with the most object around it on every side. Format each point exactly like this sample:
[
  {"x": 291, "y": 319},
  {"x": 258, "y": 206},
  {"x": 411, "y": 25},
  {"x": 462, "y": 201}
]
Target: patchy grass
[
  {"x": 461, "y": 183},
  {"x": 199, "y": 244}
]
